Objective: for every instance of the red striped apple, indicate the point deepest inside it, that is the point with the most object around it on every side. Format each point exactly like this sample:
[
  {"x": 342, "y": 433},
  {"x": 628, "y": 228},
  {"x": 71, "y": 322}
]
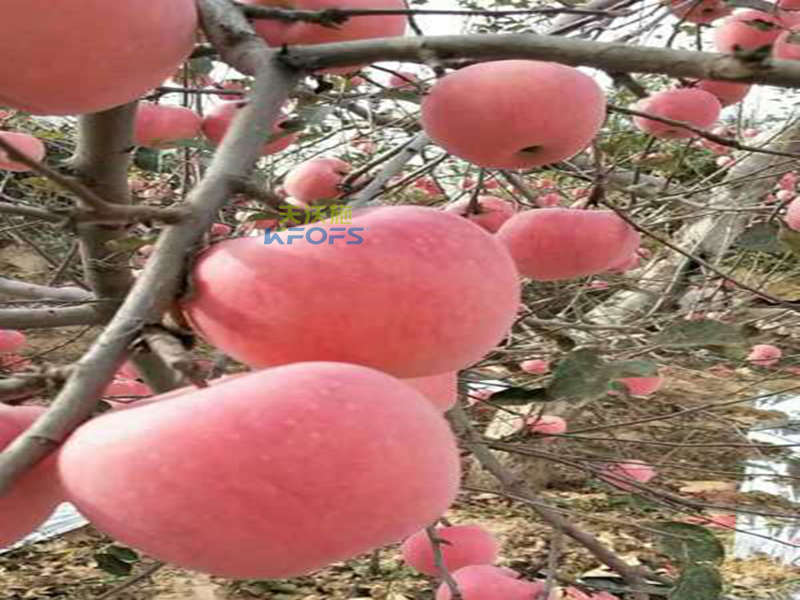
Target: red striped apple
[
  {"x": 62, "y": 57},
  {"x": 25, "y": 143},
  {"x": 270, "y": 474},
  {"x": 316, "y": 179},
  {"x": 491, "y": 212},
  {"x": 218, "y": 120},
  {"x": 161, "y": 125},
  {"x": 693, "y": 106},
  {"x": 416, "y": 292},
  {"x": 34, "y": 497},
  {"x": 552, "y": 244},
  {"x": 514, "y": 114},
  {"x": 463, "y": 545}
]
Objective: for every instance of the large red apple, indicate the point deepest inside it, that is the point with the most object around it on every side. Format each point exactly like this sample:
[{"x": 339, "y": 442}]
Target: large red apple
[
  {"x": 63, "y": 57},
  {"x": 484, "y": 582},
  {"x": 727, "y": 92},
  {"x": 271, "y": 474},
  {"x": 25, "y": 143},
  {"x": 409, "y": 290},
  {"x": 491, "y": 212},
  {"x": 748, "y": 30},
  {"x": 551, "y": 244},
  {"x": 693, "y": 106},
  {"x": 316, "y": 179},
  {"x": 219, "y": 118},
  {"x": 35, "y": 496},
  {"x": 463, "y": 545},
  {"x": 282, "y": 33},
  {"x": 514, "y": 114},
  {"x": 161, "y": 125}
]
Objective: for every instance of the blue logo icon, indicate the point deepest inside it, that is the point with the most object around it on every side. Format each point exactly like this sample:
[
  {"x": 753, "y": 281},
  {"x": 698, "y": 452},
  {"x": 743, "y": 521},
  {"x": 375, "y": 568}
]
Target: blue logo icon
[{"x": 314, "y": 235}]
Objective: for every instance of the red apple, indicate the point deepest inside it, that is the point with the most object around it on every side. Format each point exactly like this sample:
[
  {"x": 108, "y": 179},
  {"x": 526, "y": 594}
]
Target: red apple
[
  {"x": 491, "y": 212},
  {"x": 484, "y": 582},
  {"x": 219, "y": 118},
  {"x": 61, "y": 57},
  {"x": 787, "y": 45},
  {"x": 764, "y": 355},
  {"x": 464, "y": 545},
  {"x": 316, "y": 179},
  {"x": 702, "y": 11},
  {"x": 619, "y": 474},
  {"x": 11, "y": 340},
  {"x": 271, "y": 474},
  {"x": 34, "y": 497},
  {"x": 514, "y": 114},
  {"x": 161, "y": 125},
  {"x": 792, "y": 218},
  {"x": 693, "y": 106},
  {"x": 537, "y": 366},
  {"x": 727, "y": 92},
  {"x": 748, "y": 30},
  {"x": 551, "y": 244},
  {"x": 441, "y": 390},
  {"x": 404, "y": 80},
  {"x": 550, "y": 200},
  {"x": 547, "y": 425},
  {"x": 25, "y": 143},
  {"x": 416, "y": 292},
  {"x": 283, "y": 33},
  {"x": 642, "y": 386}
]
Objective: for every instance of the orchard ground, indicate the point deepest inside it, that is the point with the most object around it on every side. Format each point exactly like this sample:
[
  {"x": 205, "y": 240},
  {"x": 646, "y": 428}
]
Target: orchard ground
[{"x": 69, "y": 567}]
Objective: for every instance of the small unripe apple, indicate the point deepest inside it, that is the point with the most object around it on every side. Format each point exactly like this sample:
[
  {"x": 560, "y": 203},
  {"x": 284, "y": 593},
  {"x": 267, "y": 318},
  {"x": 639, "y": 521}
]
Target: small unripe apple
[
  {"x": 764, "y": 355},
  {"x": 748, "y": 30},
  {"x": 491, "y": 212},
  {"x": 693, "y": 106},
  {"x": 484, "y": 582},
  {"x": 11, "y": 340},
  {"x": 552, "y": 244},
  {"x": 25, "y": 143},
  {"x": 219, "y": 118},
  {"x": 316, "y": 179},
  {"x": 536, "y": 366},
  {"x": 463, "y": 545},
  {"x": 302, "y": 465},
  {"x": 514, "y": 114}
]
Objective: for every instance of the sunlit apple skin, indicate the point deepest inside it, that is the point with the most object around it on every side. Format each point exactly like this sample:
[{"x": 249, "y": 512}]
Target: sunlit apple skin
[
  {"x": 704, "y": 12},
  {"x": 727, "y": 92},
  {"x": 61, "y": 57},
  {"x": 484, "y": 582},
  {"x": 491, "y": 212},
  {"x": 29, "y": 145},
  {"x": 161, "y": 125},
  {"x": 441, "y": 390},
  {"x": 426, "y": 292},
  {"x": 35, "y": 496},
  {"x": 464, "y": 545},
  {"x": 218, "y": 120},
  {"x": 278, "y": 33},
  {"x": 271, "y": 474},
  {"x": 514, "y": 114},
  {"x": 316, "y": 179},
  {"x": 693, "y": 106},
  {"x": 738, "y": 30},
  {"x": 552, "y": 244}
]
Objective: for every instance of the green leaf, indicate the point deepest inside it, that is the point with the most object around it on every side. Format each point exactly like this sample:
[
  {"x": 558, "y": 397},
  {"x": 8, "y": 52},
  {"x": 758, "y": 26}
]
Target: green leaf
[
  {"x": 581, "y": 374},
  {"x": 122, "y": 553},
  {"x": 518, "y": 396},
  {"x": 761, "y": 237},
  {"x": 633, "y": 368},
  {"x": 700, "y": 333},
  {"x": 689, "y": 544},
  {"x": 699, "y": 582},
  {"x": 111, "y": 564}
]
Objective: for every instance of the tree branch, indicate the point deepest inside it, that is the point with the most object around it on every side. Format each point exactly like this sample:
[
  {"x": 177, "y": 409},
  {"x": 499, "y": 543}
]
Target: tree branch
[
  {"x": 31, "y": 291},
  {"x": 45, "y": 318}
]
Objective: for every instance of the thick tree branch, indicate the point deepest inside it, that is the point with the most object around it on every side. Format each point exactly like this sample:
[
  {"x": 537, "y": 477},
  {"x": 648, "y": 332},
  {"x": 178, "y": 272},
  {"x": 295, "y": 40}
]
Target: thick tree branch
[
  {"x": 31, "y": 291},
  {"x": 160, "y": 282},
  {"x": 45, "y": 318}
]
